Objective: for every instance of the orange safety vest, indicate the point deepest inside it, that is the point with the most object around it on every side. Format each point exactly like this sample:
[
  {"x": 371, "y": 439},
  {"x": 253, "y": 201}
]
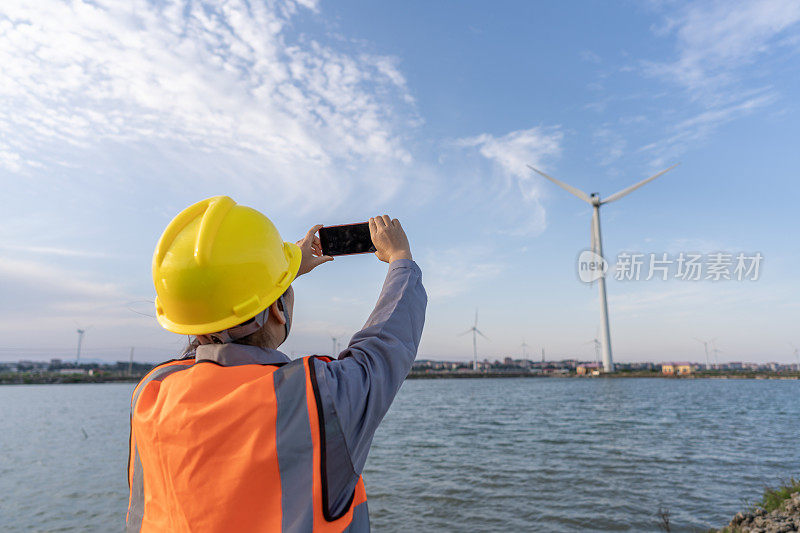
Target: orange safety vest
[{"x": 234, "y": 448}]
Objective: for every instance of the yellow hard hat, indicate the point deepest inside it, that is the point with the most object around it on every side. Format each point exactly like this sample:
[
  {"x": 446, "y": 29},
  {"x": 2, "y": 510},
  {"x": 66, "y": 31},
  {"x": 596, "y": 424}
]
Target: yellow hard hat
[{"x": 219, "y": 264}]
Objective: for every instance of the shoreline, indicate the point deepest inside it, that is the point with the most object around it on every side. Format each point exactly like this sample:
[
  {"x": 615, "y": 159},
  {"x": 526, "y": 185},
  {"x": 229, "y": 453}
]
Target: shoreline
[
  {"x": 49, "y": 378},
  {"x": 616, "y": 375}
]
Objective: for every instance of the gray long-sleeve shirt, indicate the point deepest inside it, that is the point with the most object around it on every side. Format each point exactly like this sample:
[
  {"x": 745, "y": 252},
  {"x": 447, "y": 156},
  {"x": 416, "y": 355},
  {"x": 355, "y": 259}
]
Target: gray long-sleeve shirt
[{"x": 358, "y": 387}]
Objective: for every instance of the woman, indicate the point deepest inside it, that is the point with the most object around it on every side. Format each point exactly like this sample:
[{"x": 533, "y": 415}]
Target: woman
[{"x": 235, "y": 436}]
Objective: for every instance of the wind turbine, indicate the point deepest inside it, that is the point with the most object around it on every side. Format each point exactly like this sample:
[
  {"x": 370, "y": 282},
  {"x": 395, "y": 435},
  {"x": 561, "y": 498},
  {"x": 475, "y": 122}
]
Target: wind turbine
[
  {"x": 524, "y": 354},
  {"x": 335, "y": 351},
  {"x": 715, "y": 351},
  {"x": 475, "y": 331},
  {"x": 80, "y": 331},
  {"x": 597, "y": 247},
  {"x": 597, "y": 346},
  {"x": 796, "y": 354},
  {"x": 705, "y": 345}
]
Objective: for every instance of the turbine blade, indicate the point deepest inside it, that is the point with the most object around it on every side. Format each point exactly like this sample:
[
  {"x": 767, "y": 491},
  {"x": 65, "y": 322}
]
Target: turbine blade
[
  {"x": 462, "y": 334},
  {"x": 476, "y": 318},
  {"x": 481, "y": 334},
  {"x": 624, "y": 192},
  {"x": 569, "y": 188}
]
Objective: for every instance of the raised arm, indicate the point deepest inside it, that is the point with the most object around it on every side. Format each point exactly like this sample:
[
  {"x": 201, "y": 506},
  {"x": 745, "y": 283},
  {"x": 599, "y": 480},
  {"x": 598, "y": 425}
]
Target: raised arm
[{"x": 363, "y": 382}]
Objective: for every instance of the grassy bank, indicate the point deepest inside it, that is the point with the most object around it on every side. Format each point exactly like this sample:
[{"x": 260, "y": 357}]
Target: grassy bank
[
  {"x": 775, "y": 498},
  {"x": 777, "y": 510}
]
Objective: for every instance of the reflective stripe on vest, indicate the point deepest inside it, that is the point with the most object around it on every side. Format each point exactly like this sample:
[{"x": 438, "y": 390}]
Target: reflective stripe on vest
[{"x": 236, "y": 448}]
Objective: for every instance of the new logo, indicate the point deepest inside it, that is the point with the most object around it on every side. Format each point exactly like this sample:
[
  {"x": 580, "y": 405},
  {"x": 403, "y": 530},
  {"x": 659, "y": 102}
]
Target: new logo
[{"x": 591, "y": 266}]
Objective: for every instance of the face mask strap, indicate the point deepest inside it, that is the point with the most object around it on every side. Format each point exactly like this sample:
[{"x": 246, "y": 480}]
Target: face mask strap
[
  {"x": 288, "y": 324},
  {"x": 235, "y": 333}
]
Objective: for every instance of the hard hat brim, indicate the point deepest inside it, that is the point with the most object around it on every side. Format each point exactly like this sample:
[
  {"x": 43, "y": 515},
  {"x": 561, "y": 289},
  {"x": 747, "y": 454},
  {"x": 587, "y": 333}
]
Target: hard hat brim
[{"x": 293, "y": 256}]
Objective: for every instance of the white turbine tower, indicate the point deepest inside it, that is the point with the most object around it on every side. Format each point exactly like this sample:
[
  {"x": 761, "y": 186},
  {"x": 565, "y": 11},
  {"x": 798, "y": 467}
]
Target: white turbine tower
[
  {"x": 80, "y": 341},
  {"x": 597, "y": 247},
  {"x": 475, "y": 331},
  {"x": 796, "y": 354}
]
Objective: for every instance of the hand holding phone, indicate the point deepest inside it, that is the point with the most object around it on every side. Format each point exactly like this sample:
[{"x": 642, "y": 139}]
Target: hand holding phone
[
  {"x": 390, "y": 239},
  {"x": 311, "y": 251},
  {"x": 381, "y": 235}
]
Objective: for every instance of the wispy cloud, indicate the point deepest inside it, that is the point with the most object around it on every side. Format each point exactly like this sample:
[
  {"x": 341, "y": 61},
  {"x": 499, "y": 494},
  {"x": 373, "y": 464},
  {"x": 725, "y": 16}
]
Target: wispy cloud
[
  {"x": 222, "y": 80},
  {"x": 510, "y": 156},
  {"x": 54, "y": 280},
  {"x": 455, "y": 271},
  {"x": 590, "y": 57},
  {"x": 610, "y": 143},
  {"x": 48, "y": 250},
  {"x": 700, "y": 126},
  {"x": 716, "y": 39}
]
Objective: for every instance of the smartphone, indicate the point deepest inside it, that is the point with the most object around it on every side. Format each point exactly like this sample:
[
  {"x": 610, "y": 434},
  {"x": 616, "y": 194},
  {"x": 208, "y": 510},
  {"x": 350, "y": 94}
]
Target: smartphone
[{"x": 346, "y": 239}]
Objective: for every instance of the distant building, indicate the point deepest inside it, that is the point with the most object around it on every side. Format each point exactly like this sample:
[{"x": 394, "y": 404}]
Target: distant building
[
  {"x": 588, "y": 368},
  {"x": 676, "y": 369}
]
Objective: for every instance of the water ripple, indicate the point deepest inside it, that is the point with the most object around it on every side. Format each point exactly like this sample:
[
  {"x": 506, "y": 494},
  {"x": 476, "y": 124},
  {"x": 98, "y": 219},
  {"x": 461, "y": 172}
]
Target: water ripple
[{"x": 455, "y": 455}]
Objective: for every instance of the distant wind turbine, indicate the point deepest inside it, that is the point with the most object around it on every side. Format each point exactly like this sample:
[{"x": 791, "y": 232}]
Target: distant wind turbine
[
  {"x": 475, "y": 331},
  {"x": 715, "y": 351},
  {"x": 81, "y": 331},
  {"x": 597, "y": 346},
  {"x": 597, "y": 246},
  {"x": 705, "y": 346},
  {"x": 335, "y": 351},
  {"x": 523, "y": 346},
  {"x": 796, "y": 354}
]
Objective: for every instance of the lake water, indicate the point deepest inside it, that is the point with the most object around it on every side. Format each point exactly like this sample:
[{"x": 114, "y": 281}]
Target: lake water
[{"x": 458, "y": 455}]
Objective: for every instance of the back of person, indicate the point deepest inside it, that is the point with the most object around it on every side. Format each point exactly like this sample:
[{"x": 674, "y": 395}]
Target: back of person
[{"x": 235, "y": 436}]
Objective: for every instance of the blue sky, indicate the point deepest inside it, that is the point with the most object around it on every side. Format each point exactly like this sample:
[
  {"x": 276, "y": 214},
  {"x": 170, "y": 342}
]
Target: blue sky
[{"x": 114, "y": 117}]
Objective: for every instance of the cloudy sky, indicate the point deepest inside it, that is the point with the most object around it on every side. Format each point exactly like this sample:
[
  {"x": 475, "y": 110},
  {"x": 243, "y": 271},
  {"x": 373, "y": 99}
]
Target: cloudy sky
[{"x": 116, "y": 115}]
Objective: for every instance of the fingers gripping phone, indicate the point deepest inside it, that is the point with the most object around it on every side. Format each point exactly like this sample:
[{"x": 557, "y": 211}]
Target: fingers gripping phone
[{"x": 347, "y": 239}]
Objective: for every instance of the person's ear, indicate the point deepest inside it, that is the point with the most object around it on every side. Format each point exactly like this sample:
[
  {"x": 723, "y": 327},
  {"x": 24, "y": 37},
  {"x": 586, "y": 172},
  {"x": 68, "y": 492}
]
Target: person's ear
[{"x": 276, "y": 312}]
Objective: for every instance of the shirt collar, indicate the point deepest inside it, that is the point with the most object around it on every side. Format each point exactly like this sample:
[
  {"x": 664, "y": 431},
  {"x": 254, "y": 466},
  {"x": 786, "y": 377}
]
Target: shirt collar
[{"x": 232, "y": 354}]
